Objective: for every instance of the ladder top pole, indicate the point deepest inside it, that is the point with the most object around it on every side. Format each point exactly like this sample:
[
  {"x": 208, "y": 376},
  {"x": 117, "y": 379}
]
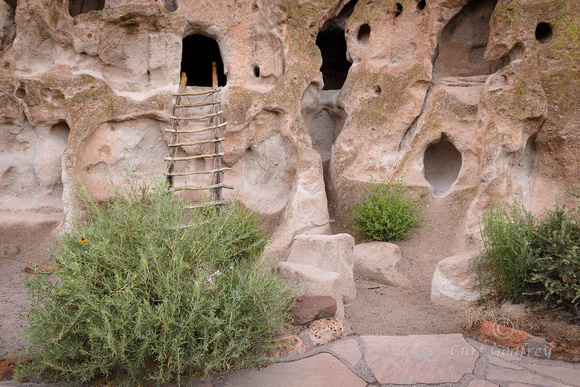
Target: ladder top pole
[
  {"x": 182, "y": 83},
  {"x": 214, "y": 77}
]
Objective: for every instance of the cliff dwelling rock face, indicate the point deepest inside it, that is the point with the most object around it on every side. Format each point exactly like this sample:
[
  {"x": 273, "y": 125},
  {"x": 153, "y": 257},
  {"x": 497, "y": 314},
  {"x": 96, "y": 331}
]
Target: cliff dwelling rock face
[{"x": 472, "y": 100}]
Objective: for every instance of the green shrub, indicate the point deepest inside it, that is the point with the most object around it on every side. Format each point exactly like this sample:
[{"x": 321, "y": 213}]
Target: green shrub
[
  {"x": 558, "y": 250},
  {"x": 508, "y": 254},
  {"x": 137, "y": 294},
  {"x": 385, "y": 213},
  {"x": 529, "y": 257}
]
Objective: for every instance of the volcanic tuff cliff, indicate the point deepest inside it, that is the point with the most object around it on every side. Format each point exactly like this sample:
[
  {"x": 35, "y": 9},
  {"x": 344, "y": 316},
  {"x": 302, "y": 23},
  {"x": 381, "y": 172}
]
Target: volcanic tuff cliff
[{"x": 471, "y": 101}]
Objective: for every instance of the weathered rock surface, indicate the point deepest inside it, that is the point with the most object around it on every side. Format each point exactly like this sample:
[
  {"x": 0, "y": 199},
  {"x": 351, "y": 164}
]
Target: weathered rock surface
[
  {"x": 310, "y": 281},
  {"x": 325, "y": 330},
  {"x": 330, "y": 253},
  {"x": 455, "y": 281},
  {"x": 504, "y": 337},
  {"x": 469, "y": 100},
  {"x": 380, "y": 262},
  {"x": 306, "y": 309},
  {"x": 291, "y": 345},
  {"x": 563, "y": 350}
]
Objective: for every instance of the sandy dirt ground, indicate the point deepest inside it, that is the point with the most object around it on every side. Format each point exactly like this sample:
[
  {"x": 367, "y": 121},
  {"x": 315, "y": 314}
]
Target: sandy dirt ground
[{"x": 387, "y": 310}]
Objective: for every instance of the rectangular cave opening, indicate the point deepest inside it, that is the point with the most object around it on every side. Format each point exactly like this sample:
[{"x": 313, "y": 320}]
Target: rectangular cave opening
[{"x": 198, "y": 53}]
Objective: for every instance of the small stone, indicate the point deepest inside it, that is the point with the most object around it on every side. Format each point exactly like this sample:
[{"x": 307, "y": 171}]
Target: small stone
[
  {"x": 325, "y": 330},
  {"x": 291, "y": 346},
  {"x": 306, "y": 309},
  {"x": 565, "y": 350},
  {"x": 310, "y": 281},
  {"x": 504, "y": 337}
]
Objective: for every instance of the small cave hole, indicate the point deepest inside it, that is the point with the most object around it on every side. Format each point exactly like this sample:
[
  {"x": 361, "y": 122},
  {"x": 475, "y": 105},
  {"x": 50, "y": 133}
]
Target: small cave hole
[
  {"x": 364, "y": 33},
  {"x": 421, "y": 5},
  {"x": 171, "y": 5},
  {"x": 198, "y": 54},
  {"x": 78, "y": 7},
  {"x": 543, "y": 32},
  {"x": 257, "y": 71},
  {"x": 20, "y": 93},
  {"x": 377, "y": 89},
  {"x": 442, "y": 162},
  {"x": 255, "y": 7},
  {"x": 398, "y": 9}
]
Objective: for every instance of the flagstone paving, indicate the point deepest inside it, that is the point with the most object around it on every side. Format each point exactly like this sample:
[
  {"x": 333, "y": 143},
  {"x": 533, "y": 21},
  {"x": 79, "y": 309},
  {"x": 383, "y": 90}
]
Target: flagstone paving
[{"x": 443, "y": 360}]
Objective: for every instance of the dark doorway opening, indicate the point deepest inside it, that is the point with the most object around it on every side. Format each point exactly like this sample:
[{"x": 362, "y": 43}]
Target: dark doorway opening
[
  {"x": 77, "y": 7},
  {"x": 332, "y": 44},
  {"x": 198, "y": 53}
]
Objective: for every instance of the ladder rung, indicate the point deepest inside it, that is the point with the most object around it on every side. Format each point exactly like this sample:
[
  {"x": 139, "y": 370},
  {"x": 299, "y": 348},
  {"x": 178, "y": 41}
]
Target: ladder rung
[
  {"x": 197, "y": 117},
  {"x": 199, "y": 93},
  {"x": 193, "y": 157},
  {"x": 198, "y": 142},
  {"x": 197, "y": 130},
  {"x": 194, "y": 188},
  {"x": 208, "y": 204},
  {"x": 197, "y": 105},
  {"x": 197, "y": 173}
]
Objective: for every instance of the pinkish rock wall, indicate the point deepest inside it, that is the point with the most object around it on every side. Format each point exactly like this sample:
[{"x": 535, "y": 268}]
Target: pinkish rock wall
[{"x": 471, "y": 101}]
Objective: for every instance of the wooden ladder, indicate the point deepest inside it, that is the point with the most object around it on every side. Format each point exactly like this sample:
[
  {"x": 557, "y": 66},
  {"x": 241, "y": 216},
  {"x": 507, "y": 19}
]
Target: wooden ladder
[{"x": 187, "y": 111}]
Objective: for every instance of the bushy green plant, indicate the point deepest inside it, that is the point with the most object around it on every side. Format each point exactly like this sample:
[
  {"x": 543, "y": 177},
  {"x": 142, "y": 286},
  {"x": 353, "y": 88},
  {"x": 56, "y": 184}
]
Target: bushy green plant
[
  {"x": 558, "y": 255},
  {"x": 385, "y": 212},
  {"x": 508, "y": 254},
  {"x": 138, "y": 294},
  {"x": 526, "y": 257}
]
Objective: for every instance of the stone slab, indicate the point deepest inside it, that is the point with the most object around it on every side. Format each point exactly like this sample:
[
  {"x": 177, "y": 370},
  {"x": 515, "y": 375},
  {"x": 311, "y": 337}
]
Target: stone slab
[
  {"x": 419, "y": 359},
  {"x": 316, "y": 371},
  {"x": 502, "y": 363},
  {"x": 567, "y": 375},
  {"x": 481, "y": 383},
  {"x": 348, "y": 350},
  {"x": 518, "y": 376}
]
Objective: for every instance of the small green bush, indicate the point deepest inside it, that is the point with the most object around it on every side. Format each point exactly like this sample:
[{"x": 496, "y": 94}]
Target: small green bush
[
  {"x": 137, "y": 294},
  {"x": 529, "y": 257},
  {"x": 385, "y": 213},
  {"x": 508, "y": 255},
  {"x": 558, "y": 250}
]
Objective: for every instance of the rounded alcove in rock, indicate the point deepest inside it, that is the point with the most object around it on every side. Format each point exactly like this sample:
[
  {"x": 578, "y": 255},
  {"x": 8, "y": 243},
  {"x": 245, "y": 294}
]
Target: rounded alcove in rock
[{"x": 442, "y": 163}]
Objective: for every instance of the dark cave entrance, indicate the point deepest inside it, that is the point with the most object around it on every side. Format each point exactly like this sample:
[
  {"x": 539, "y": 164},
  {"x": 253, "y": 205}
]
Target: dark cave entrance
[
  {"x": 332, "y": 44},
  {"x": 78, "y": 7},
  {"x": 198, "y": 53},
  {"x": 335, "y": 66}
]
